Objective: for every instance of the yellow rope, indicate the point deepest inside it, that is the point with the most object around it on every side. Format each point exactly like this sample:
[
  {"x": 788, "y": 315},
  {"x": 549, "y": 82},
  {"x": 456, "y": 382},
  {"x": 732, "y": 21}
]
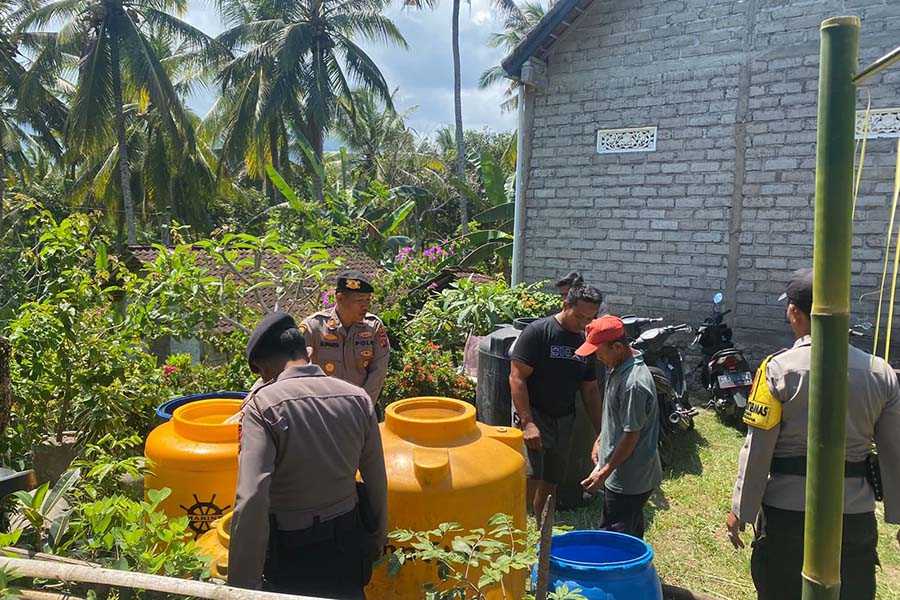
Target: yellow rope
[
  {"x": 862, "y": 152},
  {"x": 890, "y": 321},
  {"x": 887, "y": 253}
]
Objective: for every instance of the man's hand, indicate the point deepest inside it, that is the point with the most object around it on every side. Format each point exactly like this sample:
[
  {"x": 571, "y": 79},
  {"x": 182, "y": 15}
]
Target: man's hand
[
  {"x": 735, "y": 527},
  {"x": 595, "y": 451},
  {"x": 532, "y": 436},
  {"x": 596, "y": 479}
]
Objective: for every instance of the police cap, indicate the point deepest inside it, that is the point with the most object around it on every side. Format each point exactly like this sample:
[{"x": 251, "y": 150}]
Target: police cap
[
  {"x": 799, "y": 291},
  {"x": 267, "y": 333},
  {"x": 354, "y": 281}
]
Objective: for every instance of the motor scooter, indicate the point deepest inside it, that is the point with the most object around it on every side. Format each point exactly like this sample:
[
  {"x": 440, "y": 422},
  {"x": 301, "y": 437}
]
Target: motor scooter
[
  {"x": 724, "y": 371},
  {"x": 666, "y": 364}
]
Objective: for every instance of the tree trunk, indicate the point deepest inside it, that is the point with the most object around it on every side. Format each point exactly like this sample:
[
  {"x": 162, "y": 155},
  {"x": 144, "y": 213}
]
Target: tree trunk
[
  {"x": 124, "y": 171},
  {"x": 457, "y": 109},
  {"x": 2, "y": 194},
  {"x": 317, "y": 139},
  {"x": 276, "y": 162}
]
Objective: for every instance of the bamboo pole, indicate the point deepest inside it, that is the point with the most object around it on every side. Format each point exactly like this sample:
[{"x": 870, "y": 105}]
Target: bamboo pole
[
  {"x": 36, "y": 569},
  {"x": 828, "y": 386}
]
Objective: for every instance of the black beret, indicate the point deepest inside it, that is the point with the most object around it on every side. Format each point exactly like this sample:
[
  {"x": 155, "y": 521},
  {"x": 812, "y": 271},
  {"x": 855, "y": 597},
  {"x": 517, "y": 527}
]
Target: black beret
[
  {"x": 354, "y": 281},
  {"x": 799, "y": 291},
  {"x": 268, "y": 330}
]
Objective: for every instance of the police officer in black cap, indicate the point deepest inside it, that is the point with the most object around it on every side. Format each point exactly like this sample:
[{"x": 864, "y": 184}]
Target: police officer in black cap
[
  {"x": 346, "y": 340},
  {"x": 300, "y": 524},
  {"x": 771, "y": 486}
]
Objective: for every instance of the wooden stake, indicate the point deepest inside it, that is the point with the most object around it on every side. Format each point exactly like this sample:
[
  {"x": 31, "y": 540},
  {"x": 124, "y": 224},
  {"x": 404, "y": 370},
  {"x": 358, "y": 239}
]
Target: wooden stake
[{"x": 543, "y": 570}]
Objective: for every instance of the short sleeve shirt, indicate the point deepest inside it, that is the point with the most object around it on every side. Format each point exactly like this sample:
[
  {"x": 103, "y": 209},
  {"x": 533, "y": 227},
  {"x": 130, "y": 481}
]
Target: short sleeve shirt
[
  {"x": 549, "y": 349},
  {"x": 630, "y": 405}
]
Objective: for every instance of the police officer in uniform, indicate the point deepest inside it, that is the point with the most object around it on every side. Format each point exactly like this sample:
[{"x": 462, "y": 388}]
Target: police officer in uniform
[
  {"x": 302, "y": 525},
  {"x": 771, "y": 486},
  {"x": 346, "y": 340}
]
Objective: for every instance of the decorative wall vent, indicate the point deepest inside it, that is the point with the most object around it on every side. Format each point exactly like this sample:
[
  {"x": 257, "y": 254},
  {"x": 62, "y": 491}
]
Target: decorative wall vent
[
  {"x": 883, "y": 123},
  {"x": 636, "y": 139}
]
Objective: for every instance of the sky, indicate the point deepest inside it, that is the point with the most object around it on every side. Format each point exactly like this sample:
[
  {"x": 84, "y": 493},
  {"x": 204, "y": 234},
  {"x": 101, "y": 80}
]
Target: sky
[{"x": 423, "y": 74}]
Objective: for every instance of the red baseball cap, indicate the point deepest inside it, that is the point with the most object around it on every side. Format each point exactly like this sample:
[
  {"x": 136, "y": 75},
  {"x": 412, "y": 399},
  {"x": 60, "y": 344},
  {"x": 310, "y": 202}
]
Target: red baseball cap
[{"x": 605, "y": 329}]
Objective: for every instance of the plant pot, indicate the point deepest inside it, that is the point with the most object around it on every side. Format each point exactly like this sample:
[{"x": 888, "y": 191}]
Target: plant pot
[{"x": 52, "y": 457}]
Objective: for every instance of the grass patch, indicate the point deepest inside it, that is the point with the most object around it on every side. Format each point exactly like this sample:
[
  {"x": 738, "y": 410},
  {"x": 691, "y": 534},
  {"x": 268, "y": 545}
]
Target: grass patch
[{"x": 686, "y": 519}]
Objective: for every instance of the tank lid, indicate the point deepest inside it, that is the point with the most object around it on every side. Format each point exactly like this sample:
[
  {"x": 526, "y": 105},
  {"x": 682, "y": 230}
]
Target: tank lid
[
  {"x": 205, "y": 420},
  {"x": 430, "y": 419}
]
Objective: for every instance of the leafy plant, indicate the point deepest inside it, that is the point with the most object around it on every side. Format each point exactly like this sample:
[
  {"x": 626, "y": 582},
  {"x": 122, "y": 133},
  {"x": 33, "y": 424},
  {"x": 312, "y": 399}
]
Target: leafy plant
[
  {"x": 135, "y": 536},
  {"x": 108, "y": 465},
  {"x": 44, "y": 513},
  {"x": 471, "y": 564},
  {"x": 426, "y": 370},
  {"x": 470, "y": 308},
  {"x": 7, "y": 590}
]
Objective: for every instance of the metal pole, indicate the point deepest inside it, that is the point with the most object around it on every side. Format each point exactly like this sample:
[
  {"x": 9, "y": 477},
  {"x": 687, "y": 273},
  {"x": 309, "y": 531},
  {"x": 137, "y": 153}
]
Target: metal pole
[
  {"x": 522, "y": 140},
  {"x": 878, "y": 66},
  {"x": 828, "y": 388}
]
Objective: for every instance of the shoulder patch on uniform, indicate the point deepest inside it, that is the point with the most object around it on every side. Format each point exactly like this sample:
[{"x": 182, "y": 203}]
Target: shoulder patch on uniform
[
  {"x": 375, "y": 318},
  {"x": 763, "y": 408}
]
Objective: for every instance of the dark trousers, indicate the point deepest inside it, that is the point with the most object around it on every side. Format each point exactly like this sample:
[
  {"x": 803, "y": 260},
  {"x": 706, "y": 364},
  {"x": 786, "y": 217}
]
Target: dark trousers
[
  {"x": 329, "y": 560},
  {"x": 777, "y": 559},
  {"x": 624, "y": 512}
]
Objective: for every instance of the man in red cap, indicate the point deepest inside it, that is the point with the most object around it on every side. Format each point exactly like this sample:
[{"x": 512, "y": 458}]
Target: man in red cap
[
  {"x": 545, "y": 376},
  {"x": 626, "y": 452}
]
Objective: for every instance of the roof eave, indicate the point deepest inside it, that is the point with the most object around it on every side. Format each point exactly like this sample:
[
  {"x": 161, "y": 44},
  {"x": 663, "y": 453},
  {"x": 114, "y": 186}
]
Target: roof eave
[{"x": 540, "y": 35}]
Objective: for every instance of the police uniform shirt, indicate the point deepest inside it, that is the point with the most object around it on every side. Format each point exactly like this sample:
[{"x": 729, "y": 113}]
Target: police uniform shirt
[
  {"x": 358, "y": 354},
  {"x": 780, "y": 430},
  {"x": 303, "y": 438}
]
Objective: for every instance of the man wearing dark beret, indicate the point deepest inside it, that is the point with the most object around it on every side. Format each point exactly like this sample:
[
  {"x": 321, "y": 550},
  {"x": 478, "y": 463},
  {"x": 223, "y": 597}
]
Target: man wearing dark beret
[
  {"x": 346, "y": 340},
  {"x": 300, "y": 524}
]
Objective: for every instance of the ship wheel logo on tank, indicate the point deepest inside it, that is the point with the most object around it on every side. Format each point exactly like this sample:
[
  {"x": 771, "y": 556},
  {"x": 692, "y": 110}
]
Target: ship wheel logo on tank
[{"x": 202, "y": 514}]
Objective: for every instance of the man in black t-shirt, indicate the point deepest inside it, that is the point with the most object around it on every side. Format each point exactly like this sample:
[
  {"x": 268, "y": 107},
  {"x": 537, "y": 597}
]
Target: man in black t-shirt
[{"x": 545, "y": 376}]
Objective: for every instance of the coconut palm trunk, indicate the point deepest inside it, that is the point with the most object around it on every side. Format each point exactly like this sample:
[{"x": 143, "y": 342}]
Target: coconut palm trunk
[
  {"x": 121, "y": 140},
  {"x": 457, "y": 109}
]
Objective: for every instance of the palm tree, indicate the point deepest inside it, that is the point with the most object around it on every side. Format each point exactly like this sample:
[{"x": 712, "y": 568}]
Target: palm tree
[
  {"x": 113, "y": 43},
  {"x": 30, "y": 115},
  {"x": 376, "y": 136},
  {"x": 293, "y": 67},
  {"x": 515, "y": 28},
  {"x": 505, "y": 7}
]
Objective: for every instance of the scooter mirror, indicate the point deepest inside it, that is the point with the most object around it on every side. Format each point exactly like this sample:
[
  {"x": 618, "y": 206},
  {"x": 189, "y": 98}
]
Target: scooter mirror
[{"x": 717, "y": 299}]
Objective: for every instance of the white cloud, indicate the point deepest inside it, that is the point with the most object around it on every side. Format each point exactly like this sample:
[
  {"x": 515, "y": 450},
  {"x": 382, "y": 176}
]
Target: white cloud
[{"x": 423, "y": 73}]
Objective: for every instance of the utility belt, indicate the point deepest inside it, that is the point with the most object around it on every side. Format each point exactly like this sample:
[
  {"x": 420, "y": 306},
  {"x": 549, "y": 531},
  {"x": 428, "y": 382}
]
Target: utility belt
[
  {"x": 320, "y": 531},
  {"x": 868, "y": 468}
]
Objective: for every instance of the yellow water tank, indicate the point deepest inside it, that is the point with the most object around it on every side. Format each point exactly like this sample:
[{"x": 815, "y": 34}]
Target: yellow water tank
[
  {"x": 214, "y": 545},
  {"x": 195, "y": 454},
  {"x": 443, "y": 466}
]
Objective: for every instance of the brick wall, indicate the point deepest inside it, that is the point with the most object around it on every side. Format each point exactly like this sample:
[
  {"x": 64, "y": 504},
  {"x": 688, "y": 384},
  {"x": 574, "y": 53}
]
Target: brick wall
[{"x": 725, "y": 201}]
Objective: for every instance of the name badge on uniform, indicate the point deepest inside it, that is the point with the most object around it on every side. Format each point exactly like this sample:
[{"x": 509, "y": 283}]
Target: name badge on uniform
[
  {"x": 366, "y": 335},
  {"x": 763, "y": 409}
]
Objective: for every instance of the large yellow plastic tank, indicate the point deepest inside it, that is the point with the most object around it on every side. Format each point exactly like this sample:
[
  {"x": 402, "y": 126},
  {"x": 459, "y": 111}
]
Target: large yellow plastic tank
[
  {"x": 442, "y": 466},
  {"x": 195, "y": 454}
]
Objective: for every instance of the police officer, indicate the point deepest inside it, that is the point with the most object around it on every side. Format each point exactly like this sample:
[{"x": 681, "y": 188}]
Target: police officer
[
  {"x": 301, "y": 524},
  {"x": 346, "y": 340},
  {"x": 771, "y": 486}
]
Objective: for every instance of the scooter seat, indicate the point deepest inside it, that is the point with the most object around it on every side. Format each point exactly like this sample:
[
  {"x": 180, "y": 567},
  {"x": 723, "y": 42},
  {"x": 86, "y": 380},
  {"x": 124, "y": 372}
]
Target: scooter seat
[{"x": 725, "y": 352}]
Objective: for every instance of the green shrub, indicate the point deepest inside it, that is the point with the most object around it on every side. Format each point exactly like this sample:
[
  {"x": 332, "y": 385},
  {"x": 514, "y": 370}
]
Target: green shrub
[
  {"x": 425, "y": 369},
  {"x": 470, "y": 308}
]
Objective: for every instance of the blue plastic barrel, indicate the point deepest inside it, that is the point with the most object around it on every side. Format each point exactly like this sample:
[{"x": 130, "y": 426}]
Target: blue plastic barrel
[
  {"x": 164, "y": 411},
  {"x": 605, "y": 565}
]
